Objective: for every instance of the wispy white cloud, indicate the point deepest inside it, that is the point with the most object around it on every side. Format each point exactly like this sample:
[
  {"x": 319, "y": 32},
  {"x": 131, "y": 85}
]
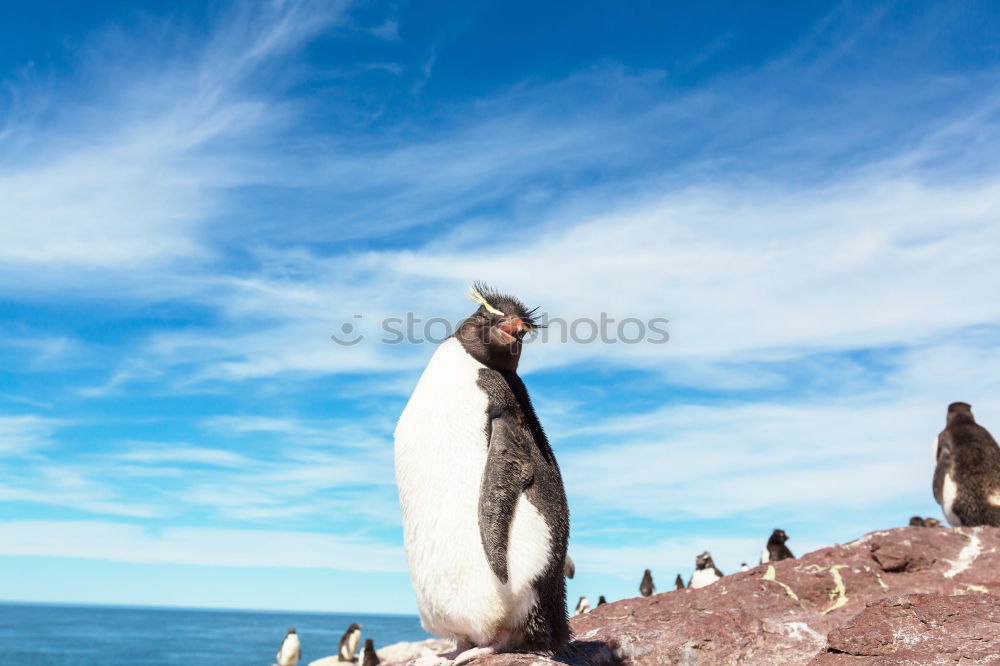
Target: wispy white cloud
[
  {"x": 164, "y": 140},
  {"x": 776, "y": 234},
  {"x": 857, "y": 266},
  {"x": 24, "y": 433},
  {"x": 711, "y": 462},
  {"x": 855, "y": 451},
  {"x": 353, "y": 433},
  {"x": 69, "y": 486},
  {"x": 38, "y": 350},
  {"x": 348, "y": 487},
  {"x": 122, "y": 542},
  {"x": 155, "y": 452}
]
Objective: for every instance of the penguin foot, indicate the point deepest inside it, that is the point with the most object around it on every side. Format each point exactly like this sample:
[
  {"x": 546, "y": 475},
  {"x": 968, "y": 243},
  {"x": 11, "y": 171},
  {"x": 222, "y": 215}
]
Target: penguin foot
[
  {"x": 432, "y": 660},
  {"x": 474, "y": 653}
]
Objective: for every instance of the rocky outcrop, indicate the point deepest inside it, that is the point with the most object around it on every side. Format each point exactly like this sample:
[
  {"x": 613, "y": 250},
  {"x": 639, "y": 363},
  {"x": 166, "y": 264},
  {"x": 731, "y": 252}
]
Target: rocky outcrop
[
  {"x": 918, "y": 629},
  {"x": 398, "y": 653},
  {"x": 902, "y": 596}
]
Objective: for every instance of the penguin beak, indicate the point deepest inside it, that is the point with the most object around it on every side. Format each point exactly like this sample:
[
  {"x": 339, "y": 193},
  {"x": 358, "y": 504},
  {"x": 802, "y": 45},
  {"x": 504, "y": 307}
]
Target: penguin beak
[{"x": 511, "y": 329}]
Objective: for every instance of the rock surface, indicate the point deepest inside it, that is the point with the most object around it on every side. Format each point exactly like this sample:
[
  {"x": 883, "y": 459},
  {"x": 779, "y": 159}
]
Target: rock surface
[
  {"x": 902, "y": 596},
  {"x": 919, "y": 629},
  {"x": 397, "y": 653}
]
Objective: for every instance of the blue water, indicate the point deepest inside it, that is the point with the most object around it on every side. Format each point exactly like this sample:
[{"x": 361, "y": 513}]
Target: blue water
[{"x": 40, "y": 635}]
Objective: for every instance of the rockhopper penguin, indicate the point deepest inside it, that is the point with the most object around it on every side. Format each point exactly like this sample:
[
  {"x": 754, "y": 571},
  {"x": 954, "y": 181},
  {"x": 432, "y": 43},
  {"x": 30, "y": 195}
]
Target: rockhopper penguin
[
  {"x": 348, "y": 647},
  {"x": 917, "y": 521},
  {"x": 485, "y": 519},
  {"x": 776, "y": 550},
  {"x": 368, "y": 654},
  {"x": 967, "y": 476},
  {"x": 646, "y": 586},
  {"x": 705, "y": 572},
  {"x": 290, "y": 651}
]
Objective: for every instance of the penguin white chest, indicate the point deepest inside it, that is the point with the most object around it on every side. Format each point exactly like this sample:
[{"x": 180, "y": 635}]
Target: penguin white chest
[
  {"x": 702, "y": 578},
  {"x": 350, "y": 647},
  {"x": 949, "y": 490},
  {"x": 441, "y": 447},
  {"x": 288, "y": 654}
]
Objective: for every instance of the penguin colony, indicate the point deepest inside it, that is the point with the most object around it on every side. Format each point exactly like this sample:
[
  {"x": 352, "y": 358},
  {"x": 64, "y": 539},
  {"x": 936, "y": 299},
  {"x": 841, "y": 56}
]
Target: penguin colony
[
  {"x": 290, "y": 650},
  {"x": 475, "y": 471}
]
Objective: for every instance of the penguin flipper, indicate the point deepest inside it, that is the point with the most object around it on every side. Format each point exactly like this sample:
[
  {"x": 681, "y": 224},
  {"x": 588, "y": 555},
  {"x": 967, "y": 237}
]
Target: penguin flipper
[
  {"x": 943, "y": 465},
  {"x": 508, "y": 472},
  {"x": 569, "y": 570}
]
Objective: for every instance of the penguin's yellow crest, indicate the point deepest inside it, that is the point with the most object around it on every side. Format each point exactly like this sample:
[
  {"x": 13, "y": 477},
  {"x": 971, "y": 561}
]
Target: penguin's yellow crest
[{"x": 476, "y": 297}]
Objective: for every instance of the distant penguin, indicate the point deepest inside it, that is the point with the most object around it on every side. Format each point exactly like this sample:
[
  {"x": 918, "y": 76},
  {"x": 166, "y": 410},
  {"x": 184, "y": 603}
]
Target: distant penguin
[
  {"x": 485, "y": 518},
  {"x": 349, "y": 643},
  {"x": 570, "y": 568},
  {"x": 776, "y": 550},
  {"x": 705, "y": 572},
  {"x": 917, "y": 521},
  {"x": 368, "y": 655},
  {"x": 744, "y": 566},
  {"x": 646, "y": 587},
  {"x": 582, "y": 606},
  {"x": 289, "y": 652},
  {"x": 678, "y": 583},
  {"x": 967, "y": 476},
  {"x": 601, "y": 600}
]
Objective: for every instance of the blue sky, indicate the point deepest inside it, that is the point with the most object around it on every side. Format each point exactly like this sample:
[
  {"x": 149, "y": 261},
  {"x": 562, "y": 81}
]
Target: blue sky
[{"x": 192, "y": 202}]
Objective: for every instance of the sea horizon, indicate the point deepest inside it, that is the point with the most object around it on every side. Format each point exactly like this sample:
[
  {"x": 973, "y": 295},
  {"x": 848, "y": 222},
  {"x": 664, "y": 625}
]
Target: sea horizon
[
  {"x": 85, "y": 634},
  {"x": 234, "y": 609}
]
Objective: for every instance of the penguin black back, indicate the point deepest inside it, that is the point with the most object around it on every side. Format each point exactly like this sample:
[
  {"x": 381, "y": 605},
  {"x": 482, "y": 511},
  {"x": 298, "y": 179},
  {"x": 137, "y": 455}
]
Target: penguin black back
[
  {"x": 369, "y": 657},
  {"x": 967, "y": 476},
  {"x": 678, "y": 583},
  {"x": 646, "y": 587},
  {"x": 349, "y": 643},
  {"x": 776, "y": 548},
  {"x": 519, "y": 462},
  {"x": 524, "y": 464}
]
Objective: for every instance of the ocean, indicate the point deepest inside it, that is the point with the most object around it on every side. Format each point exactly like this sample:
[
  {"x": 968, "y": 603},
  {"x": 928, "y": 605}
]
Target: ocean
[{"x": 43, "y": 635}]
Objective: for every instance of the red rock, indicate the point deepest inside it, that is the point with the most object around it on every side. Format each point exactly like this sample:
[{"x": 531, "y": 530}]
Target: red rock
[
  {"x": 782, "y": 613},
  {"x": 919, "y": 629}
]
